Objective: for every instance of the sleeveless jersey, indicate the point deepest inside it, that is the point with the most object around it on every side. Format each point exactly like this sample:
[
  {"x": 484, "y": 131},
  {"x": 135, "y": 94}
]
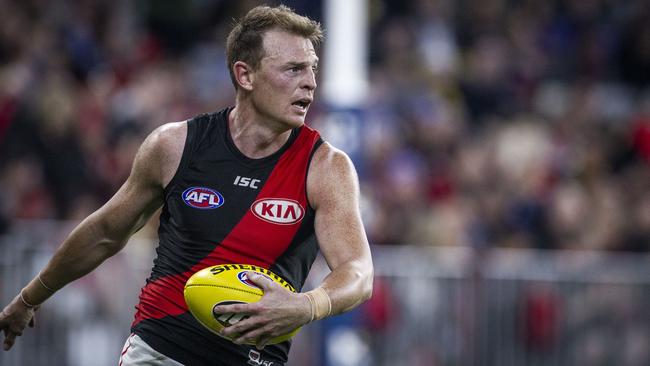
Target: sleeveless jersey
[{"x": 223, "y": 207}]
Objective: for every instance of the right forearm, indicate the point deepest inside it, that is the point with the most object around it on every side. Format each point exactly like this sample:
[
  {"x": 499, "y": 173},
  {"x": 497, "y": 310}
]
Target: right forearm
[
  {"x": 104, "y": 233},
  {"x": 84, "y": 249}
]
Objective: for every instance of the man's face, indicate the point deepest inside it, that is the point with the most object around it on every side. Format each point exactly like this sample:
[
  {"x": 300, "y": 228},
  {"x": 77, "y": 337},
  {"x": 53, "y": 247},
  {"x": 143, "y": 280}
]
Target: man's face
[{"x": 284, "y": 83}]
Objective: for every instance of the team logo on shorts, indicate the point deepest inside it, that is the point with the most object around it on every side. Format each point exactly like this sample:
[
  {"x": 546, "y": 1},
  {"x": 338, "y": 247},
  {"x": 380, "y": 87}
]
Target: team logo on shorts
[
  {"x": 202, "y": 198},
  {"x": 279, "y": 211},
  {"x": 255, "y": 359}
]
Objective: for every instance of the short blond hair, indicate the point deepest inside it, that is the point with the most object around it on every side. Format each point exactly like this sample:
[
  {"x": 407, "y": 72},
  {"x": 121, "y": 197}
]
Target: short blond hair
[{"x": 244, "y": 42}]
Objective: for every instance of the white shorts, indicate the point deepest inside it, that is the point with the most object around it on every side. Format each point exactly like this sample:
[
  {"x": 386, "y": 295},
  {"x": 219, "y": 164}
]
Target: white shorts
[{"x": 137, "y": 353}]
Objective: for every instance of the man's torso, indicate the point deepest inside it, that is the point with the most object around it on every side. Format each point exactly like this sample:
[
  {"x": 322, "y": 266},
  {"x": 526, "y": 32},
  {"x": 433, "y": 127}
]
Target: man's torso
[{"x": 222, "y": 207}]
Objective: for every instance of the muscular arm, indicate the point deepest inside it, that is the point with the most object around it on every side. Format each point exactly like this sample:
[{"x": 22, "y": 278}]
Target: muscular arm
[
  {"x": 333, "y": 190},
  {"x": 106, "y": 231}
]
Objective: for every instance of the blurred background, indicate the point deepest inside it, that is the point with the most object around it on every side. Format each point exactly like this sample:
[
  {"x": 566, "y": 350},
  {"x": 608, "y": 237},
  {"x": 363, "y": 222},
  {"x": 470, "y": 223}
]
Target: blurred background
[{"x": 503, "y": 150}]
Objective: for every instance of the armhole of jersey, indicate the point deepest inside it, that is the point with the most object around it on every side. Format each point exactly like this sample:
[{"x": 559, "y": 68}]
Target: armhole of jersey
[
  {"x": 187, "y": 153},
  {"x": 311, "y": 156}
]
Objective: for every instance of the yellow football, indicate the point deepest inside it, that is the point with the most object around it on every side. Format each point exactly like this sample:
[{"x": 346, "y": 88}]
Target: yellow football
[{"x": 227, "y": 284}]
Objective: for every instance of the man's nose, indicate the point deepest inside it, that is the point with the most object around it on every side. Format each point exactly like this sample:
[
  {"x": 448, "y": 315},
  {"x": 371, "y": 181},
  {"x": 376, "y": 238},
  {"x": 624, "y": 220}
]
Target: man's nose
[{"x": 309, "y": 81}]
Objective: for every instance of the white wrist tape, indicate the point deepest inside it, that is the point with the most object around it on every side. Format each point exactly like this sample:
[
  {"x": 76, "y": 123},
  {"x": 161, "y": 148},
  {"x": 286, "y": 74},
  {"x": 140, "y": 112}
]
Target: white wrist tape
[
  {"x": 44, "y": 285},
  {"x": 27, "y": 304},
  {"x": 321, "y": 304}
]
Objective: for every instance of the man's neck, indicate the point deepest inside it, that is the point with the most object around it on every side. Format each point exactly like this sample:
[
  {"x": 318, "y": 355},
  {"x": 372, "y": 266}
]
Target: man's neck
[{"x": 254, "y": 137}]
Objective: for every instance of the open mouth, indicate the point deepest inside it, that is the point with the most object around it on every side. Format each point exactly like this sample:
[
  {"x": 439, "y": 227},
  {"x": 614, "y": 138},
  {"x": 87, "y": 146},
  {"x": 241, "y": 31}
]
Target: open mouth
[{"x": 302, "y": 103}]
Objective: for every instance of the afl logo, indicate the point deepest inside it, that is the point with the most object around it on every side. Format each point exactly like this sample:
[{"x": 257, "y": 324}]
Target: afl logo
[
  {"x": 243, "y": 277},
  {"x": 202, "y": 198},
  {"x": 278, "y": 210}
]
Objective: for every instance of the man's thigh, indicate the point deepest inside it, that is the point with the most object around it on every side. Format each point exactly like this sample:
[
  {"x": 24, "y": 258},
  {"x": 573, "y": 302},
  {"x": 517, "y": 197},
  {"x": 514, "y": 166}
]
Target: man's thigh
[{"x": 138, "y": 353}]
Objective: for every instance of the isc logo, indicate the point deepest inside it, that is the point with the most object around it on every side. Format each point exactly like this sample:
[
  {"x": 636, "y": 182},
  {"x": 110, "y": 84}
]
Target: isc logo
[
  {"x": 246, "y": 182},
  {"x": 278, "y": 210},
  {"x": 202, "y": 198}
]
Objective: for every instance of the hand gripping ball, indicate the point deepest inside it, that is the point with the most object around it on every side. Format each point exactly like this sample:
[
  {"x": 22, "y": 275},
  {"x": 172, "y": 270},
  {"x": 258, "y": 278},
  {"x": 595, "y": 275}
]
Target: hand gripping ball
[{"x": 227, "y": 284}]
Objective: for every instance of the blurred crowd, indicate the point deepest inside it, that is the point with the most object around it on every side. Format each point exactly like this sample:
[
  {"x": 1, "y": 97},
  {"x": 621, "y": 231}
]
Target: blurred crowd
[
  {"x": 490, "y": 123},
  {"x": 511, "y": 124}
]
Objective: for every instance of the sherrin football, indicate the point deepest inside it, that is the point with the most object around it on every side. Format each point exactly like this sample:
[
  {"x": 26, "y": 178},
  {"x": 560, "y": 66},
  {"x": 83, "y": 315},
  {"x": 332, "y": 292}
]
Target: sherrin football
[{"x": 227, "y": 284}]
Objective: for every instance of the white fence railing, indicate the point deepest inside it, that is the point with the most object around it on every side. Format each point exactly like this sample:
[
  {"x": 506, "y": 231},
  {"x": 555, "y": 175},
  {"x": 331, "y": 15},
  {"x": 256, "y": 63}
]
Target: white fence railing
[
  {"x": 453, "y": 306},
  {"x": 432, "y": 306}
]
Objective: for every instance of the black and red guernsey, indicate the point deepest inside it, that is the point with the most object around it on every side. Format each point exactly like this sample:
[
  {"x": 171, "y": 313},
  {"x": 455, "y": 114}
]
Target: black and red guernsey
[{"x": 223, "y": 207}]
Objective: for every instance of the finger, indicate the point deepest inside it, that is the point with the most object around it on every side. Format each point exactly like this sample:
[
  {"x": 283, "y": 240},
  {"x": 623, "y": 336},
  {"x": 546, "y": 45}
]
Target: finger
[
  {"x": 253, "y": 336},
  {"x": 262, "y": 282},
  {"x": 224, "y": 309},
  {"x": 262, "y": 342},
  {"x": 227, "y": 309},
  {"x": 243, "y": 327},
  {"x": 3, "y": 320},
  {"x": 9, "y": 340},
  {"x": 235, "y": 308},
  {"x": 17, "y": 331}
]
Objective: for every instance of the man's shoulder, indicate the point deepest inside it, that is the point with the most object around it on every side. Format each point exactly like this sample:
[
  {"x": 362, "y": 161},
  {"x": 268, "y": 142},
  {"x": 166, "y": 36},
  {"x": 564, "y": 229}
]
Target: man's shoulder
[
  {"x": 328, "y": 157},
  {"x": 168, "y": 137},
  {"x": 164, "y": 148},
  {"x": 171, "y": 131},
  {"x": 331, "y": 174}
]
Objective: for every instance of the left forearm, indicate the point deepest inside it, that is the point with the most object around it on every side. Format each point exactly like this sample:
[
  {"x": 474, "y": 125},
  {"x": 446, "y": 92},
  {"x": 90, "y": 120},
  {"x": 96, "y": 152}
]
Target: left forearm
[
  {"x": 349, "y": 285},
  {"x": 333, "y": 188}
]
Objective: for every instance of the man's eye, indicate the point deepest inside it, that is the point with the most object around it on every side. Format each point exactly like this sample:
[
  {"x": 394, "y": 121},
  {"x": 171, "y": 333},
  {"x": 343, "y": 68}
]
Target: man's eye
[{"x": 295, "y": 69}]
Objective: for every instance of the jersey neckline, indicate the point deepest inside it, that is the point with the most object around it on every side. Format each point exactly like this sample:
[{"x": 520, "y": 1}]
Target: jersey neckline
[{"x": 230, "y": 143}]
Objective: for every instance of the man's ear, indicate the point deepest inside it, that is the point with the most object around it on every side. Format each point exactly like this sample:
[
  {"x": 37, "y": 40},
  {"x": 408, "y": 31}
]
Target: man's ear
[{"x": 244, "y": 75}]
